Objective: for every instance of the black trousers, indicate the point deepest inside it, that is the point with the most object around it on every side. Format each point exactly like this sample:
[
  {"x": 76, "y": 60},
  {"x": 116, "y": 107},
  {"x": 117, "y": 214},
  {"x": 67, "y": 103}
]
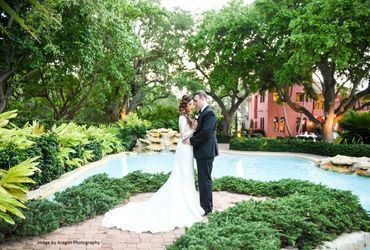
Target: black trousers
[{"x": 205, "y": 183}]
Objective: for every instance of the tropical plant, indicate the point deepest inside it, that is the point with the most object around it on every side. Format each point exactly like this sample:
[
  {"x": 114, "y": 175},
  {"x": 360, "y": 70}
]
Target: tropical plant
[
  {"x": 107, "y": 136},
  {"x": 13, "y": 194},
  {"x": 14, "y": 135},
  {"x": 72, "y": 138},
  {"x": 131, "y": 128},
  {"x": 354, "y": 128}
]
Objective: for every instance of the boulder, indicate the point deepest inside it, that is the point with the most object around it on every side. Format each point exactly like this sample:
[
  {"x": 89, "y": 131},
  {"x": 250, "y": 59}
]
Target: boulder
[
  {"x": 362, "y": 163},
  {"x": 341, "y": 169},
  {"x": 343, "y": 160},
  {"x": 363, "y": 172}
]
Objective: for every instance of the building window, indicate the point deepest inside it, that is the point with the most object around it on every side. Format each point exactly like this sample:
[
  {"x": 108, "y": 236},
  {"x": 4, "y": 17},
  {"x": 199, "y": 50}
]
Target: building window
[
  {"x": 282, "y": 124},
  {"x": 262, "y": 123},
  {"x": 255, "y": 106},
  {"x": 319, "y": 104},
  {"x": 275, "y": 96},
  {"x": 299, "y": 97},
  {"x": 262, "y": 98},
  {"x": 276, "y": 124}
]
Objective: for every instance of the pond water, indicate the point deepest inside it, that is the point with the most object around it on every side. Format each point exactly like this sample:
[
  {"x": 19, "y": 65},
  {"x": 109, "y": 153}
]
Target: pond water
[{"x": 256, "y": 167}]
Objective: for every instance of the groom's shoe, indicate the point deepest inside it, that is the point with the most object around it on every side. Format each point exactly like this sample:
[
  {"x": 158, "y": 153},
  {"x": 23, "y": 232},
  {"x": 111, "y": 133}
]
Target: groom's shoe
[{"x": 206, "y": 213}]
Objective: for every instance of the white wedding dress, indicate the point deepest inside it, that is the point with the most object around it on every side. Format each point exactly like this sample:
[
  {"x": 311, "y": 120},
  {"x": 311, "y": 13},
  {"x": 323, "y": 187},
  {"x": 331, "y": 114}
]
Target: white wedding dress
[{"x": 175, "y": 204}]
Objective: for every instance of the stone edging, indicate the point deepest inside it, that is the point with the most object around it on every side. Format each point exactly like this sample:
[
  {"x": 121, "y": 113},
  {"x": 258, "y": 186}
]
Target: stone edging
[
  {"x": 348, "y": 241},
  {"x": 50, "y": 188}
]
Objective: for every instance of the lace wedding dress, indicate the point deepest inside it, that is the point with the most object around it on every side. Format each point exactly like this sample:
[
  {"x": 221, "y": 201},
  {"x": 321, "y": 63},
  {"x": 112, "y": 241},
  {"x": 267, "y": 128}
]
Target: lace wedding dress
[{"x": 175, "y": 204}]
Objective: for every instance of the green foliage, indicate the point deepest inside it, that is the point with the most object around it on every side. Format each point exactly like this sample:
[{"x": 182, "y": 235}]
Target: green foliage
[
  {"x": 13, "y": 192},
  {"x": 95, "y": 196},
  {"x": 96, "y": 148},
  {"x": 85, "y": 201},
  {"x": 145, "y": 182},
  {"x": 355, "y": 128},
  {"x": 161, "y": 116},
  {"x": 230, "y": 235},
  {"x": 225, "y": 49},
  {"x": 18, "y": 136},
  {"x": 322, "y": 37},
  {"x": 297, "y": 214},
  {"x": 107, "y": 136},
  {"x": 299, "y": 146},
  {"x": 49, "y": 163},
  {"x": 131, "y": 128},
  {"x": 223, "y": 138},
  {"x": 42, "y": 216},
  {"x": 301, "y": 215},
  {"x": 64, "y": 147}
]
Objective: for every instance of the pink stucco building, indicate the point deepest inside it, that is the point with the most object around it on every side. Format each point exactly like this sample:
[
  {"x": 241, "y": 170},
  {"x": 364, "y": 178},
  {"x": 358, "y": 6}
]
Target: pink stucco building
[{"x": 266, "y": 114}]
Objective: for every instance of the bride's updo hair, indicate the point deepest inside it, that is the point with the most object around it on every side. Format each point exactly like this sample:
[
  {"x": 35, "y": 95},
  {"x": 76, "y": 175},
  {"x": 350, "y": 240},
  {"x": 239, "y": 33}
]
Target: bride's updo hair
[{"x": 182, "y": 107}]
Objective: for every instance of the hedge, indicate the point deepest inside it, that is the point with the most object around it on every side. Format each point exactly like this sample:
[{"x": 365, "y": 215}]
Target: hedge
[{"x": 299, "y": 146}]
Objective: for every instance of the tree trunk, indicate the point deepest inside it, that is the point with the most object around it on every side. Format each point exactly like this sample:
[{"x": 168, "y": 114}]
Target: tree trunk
[
  {"x": 327, "y": 128},
  {"x": 4, "y": 93},
  {"x": 125, "y": 104},
  {"x": 2, "y": 99},
  {"x": 226, "y": 123},
  {"x": 286, "y": 120},
  {"x": 327, "y": 70}
]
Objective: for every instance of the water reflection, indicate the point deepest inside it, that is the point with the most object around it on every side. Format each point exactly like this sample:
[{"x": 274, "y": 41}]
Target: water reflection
[
  {"x": 239, "y": 169},
  {"x": 124, "y": 165}
]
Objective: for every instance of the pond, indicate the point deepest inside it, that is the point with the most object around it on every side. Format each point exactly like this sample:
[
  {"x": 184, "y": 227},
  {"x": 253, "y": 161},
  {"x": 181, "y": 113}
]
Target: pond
[{"x": 256, "y": 167}]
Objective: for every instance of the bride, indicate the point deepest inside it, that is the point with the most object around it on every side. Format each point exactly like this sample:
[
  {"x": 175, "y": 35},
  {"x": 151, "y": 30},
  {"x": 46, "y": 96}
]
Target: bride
[{"x": 176, "y": 203}]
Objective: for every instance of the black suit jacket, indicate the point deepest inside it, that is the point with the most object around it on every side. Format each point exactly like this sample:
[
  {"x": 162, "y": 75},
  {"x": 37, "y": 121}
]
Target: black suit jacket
[{"x": 204, "y": 138}]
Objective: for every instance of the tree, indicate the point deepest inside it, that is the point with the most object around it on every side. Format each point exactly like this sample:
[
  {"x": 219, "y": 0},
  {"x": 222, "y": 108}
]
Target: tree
[
  {"x": 19, "y": 49},
  {"x": 96, "y": 61},
  {"x": 224, "y": 51},
  {"x": 325, "y": 38},
  {"x": 162, "y": 35}
]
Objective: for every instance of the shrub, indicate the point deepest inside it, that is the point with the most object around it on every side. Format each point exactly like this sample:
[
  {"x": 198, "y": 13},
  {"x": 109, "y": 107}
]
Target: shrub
[
  {"x": 132, "y": 128},
  {"x": 49, "y": 163},
  {"x": 355, "y": 128},
  {"x": 303, "y": 215},
  {"x": 11, "y": 155},
  {"x": 97, "y": 149},
  {"x": 223, "y": 138},
  {"x": 229, "y": 235},
  {"x": 299, "y": 146},
  {"x": 161, "y": 116}
]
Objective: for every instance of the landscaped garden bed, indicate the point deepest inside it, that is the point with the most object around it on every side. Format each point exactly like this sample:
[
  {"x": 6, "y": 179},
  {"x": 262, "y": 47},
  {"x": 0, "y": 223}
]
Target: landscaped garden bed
[{"x": 299, "y": 213}]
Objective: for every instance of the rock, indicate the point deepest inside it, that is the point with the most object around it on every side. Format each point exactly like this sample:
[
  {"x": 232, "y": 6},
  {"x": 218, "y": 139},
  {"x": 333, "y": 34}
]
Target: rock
[
  {"x": 363, "y": 172},
  {"x": 321, "y": 162},
  {"x": 144, "y": 141},
  {"x": 155, "y": 147},
  {"x": 362, "y": 163},
  {"x": 157, "y": 140},
  {"x": 341, "y": 169},
  {"x": 347, "y": 241},
  {"x": 342, "y": 160}
]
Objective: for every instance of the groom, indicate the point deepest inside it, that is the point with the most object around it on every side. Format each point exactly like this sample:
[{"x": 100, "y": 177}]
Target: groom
[{"x": 205, "y": 148}]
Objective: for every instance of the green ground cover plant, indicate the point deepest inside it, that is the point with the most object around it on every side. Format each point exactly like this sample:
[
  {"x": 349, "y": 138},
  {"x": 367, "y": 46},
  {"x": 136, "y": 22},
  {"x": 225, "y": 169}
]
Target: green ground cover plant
[{"x": 298, "y": 213}]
